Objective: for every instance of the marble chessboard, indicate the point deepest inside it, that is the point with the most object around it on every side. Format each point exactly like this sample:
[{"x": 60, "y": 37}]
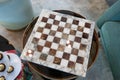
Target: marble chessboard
[{"x": 61, "y": 42}]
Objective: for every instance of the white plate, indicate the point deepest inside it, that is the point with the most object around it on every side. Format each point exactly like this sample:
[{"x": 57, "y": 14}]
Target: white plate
[
  {"x": 16, "y": 63},
  {"x": 5, "y": 60}
]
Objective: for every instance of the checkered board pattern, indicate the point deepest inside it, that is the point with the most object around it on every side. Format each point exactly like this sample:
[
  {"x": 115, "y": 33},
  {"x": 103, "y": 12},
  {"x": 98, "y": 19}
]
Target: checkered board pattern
[{"x": 61, "y": 42}]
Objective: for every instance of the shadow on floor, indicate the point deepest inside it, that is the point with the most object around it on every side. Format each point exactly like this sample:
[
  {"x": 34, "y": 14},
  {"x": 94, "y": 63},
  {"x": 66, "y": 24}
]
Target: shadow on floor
[{"x": 111, "y": 2}]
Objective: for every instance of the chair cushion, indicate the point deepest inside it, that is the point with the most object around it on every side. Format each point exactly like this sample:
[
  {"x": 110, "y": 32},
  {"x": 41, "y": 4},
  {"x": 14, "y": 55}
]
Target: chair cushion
[{"x": 110, "y": 36}]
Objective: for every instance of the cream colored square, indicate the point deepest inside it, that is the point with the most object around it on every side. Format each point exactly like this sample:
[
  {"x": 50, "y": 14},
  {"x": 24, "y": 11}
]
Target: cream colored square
[{"x": 73, "y": 58}]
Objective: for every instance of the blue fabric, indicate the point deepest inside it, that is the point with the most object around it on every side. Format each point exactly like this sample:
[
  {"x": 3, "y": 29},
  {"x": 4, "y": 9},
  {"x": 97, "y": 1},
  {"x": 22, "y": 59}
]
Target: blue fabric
[
  {"x": 109, "y": 25},
  {"x": 110, "y": 35},
  {"x": 111, "y": 14}
]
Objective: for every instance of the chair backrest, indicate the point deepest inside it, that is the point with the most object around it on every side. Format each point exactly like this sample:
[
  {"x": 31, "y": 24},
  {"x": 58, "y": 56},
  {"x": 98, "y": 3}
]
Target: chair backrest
[{"x": 111, "y": 14}]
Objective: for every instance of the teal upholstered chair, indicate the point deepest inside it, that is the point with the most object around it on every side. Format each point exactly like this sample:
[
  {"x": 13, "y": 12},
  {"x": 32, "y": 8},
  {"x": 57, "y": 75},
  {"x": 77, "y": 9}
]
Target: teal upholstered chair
[{"x": 109, "y": 25}]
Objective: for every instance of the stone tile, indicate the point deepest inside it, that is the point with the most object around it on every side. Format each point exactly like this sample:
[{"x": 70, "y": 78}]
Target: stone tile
[
  {"x": 14, "y": 37},
  {"x": 91, "y": 9}
]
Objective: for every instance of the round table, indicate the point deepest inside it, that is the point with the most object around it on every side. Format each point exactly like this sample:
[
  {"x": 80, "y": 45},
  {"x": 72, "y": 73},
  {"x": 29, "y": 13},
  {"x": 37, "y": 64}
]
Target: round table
[{"x": 52, "y": 73}]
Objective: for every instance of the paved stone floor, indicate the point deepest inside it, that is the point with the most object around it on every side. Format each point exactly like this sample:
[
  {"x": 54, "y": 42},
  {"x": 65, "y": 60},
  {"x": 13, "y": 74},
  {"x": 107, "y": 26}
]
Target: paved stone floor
[{"x": 91, "y": 9}]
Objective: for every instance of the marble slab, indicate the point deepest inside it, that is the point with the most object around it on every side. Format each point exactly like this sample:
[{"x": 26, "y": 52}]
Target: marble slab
[{"x": 60, "y": 42}]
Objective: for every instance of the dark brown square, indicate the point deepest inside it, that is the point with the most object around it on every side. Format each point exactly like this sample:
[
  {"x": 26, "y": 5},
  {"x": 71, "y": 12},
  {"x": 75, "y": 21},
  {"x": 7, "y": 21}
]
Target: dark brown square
[
  {"x": 39, "y": 48},
  {"x": 71, "y": 64},
  {"x": 57, "y": 60},
  {"x": 72, "y": 32},
  {"x": 78, "y": 39},
  {"x": 66, "y": 56},
  {"x": 43, "y": 57},
  {"x": 80, "y": 60},
  {"x": 64, "y": 19},
  {"x": 52, "y": 16},
  {"x": 48, "y": 44},
  {"x": 75, "y": 51},
  {"x": 52, "y": 52},
  {"x": 52, "y": 33},
  {"x": 67, "y": 25},
  {"x": 61, "y": 48},
  {"x": 60, "y": 29},
  {"x": 56, "y": 40},
  {"x": 76, "y": 22},
  {"x": 88, "y": 25},
  {"x": 44, "y": 36},
  {"x": 83, "y": 46},
  {"x": 65, "y": 36},
  {"x": 44, "y": 19},
  {"x": 39, "y": 29},
  {"x": 80, "y": 28},
  {"x": 71, "y": 43},
  {"x": 35, "y": 40},
  {"x": 85, "y": 35},
  {"x": 48, "y": 26},
  {"x": 56, "y": 22}
]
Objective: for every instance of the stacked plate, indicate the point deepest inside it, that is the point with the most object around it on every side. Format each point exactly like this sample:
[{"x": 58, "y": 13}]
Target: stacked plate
[{"x": 10, "y": 66}]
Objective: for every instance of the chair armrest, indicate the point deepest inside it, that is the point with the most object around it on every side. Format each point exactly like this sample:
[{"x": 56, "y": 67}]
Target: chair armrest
[{"x": 111, "y": 14}]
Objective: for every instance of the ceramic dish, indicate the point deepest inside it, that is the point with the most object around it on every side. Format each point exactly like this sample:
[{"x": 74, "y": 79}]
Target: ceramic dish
[
  {"x": 5, "y": 61},
  {"x": 16, "y": 63}
]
